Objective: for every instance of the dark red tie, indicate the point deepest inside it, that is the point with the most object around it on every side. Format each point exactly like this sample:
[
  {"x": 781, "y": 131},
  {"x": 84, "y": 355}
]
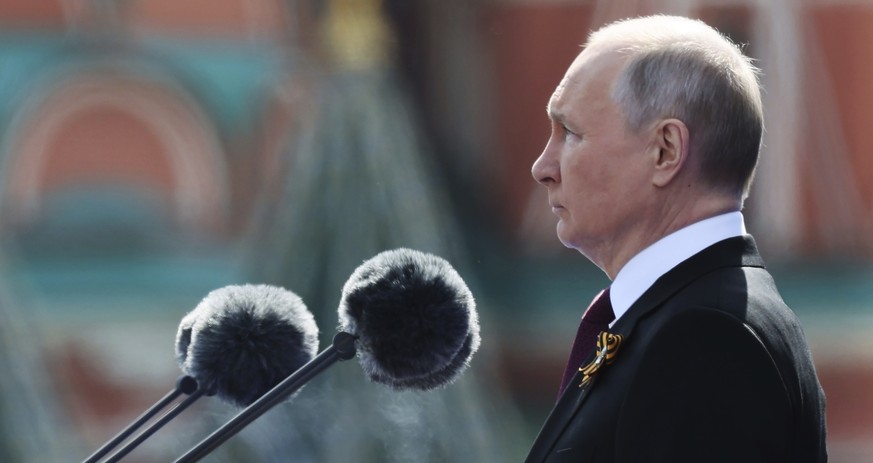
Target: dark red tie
[{"x": 597, "y": 318}]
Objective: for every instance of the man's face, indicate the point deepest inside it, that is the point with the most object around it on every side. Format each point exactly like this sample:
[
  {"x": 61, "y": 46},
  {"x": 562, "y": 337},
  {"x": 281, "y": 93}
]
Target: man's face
[{"x": 593, "y": 166}]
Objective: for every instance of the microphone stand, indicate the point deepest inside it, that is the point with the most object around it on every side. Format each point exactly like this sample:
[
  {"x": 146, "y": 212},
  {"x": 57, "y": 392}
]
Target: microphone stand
[
  {"x": 343, "y": 348},
  {"x": 184, "y": 385}
]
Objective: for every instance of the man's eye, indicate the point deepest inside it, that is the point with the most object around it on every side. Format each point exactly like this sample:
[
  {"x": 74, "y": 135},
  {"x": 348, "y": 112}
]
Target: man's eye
[{"x": 567, "y": 132}]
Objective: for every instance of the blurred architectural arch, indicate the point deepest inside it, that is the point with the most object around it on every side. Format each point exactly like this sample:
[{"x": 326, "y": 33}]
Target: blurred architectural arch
[{"x": 98, "y": 126}]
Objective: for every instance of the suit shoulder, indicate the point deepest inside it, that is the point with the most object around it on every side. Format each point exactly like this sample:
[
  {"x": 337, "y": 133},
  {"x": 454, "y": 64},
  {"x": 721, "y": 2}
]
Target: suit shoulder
[
  {"x": 705, "y": 352},
  {"x": 706, "y": 326},
  {"x": 707, "y": 347},
  {"x": 701, "y": 375}
]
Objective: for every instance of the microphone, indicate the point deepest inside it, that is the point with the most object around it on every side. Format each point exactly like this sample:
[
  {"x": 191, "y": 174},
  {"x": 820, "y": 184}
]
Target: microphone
[
  {"x": 411, "y": 320},
  {"x": 237, "y": 343},
  {"x": 414, "y": 317},
  {"x": 241, "y": 341}
]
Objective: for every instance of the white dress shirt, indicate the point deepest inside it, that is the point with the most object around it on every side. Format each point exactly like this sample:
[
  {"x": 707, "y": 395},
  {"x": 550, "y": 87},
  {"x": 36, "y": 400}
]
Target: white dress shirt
[{"x": 651, "y": 263}]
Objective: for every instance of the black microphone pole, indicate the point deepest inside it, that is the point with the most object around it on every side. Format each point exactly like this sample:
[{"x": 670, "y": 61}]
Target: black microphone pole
[
  {"x": 179, "y": 408},
  {"x": 184, "y": 385},
  {"x": 343, "y": 348}
]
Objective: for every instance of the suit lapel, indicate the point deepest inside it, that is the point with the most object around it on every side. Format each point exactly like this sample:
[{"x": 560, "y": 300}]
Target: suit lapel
[{"x": 732, "y": 252}]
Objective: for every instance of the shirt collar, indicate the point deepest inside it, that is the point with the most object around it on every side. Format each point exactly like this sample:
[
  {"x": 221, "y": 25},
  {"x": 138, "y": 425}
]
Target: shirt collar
[{"x": 651, "y": 263}]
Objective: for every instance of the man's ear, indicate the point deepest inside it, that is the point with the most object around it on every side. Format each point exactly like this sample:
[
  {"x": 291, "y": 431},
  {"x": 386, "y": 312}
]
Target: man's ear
[{"x": 670, "y": 150}]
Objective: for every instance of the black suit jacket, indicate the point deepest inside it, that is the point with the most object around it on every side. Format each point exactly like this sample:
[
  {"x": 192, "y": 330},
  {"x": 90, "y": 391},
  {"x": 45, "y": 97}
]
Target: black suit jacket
[{"x": 714, "y": 367}]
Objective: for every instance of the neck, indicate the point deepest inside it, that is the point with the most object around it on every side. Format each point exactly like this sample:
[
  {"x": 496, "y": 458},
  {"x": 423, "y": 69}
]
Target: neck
[{"x": 658, "y": 224}]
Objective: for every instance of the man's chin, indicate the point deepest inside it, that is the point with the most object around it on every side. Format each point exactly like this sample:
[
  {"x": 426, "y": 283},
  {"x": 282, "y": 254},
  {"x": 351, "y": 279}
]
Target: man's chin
[
  {"x": 573, "y": 242},
  {"x": 564, "y": 237}
]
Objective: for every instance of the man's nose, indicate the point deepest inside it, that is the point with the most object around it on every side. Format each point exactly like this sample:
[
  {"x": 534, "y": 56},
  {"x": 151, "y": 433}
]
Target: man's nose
[{"x": 545, "y": 168}]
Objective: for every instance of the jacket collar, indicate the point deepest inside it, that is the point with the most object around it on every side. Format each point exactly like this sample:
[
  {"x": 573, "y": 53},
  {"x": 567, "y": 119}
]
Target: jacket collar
[{"x": 732, "y": 252}]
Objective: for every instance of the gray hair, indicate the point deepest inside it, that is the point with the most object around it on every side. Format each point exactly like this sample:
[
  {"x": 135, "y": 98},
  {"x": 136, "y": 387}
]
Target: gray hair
[{"x": 682, "y": 68}]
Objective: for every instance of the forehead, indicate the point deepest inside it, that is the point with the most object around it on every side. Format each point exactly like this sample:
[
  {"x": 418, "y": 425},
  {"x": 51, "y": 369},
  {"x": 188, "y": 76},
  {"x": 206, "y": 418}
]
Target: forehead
[{"x": 589, "y": 78}]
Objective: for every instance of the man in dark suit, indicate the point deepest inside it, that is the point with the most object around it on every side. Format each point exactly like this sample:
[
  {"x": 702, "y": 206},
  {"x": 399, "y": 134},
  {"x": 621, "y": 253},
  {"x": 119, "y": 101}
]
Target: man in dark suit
[{"x": 691, "y": 355}]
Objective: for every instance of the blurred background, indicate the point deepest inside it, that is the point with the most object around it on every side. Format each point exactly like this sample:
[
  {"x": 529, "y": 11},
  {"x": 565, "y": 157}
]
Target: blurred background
[{"x": 154, "y": 150}]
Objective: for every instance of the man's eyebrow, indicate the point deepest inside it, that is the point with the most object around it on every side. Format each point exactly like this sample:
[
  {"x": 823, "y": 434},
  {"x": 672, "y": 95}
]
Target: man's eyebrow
[{"x": 556, "y": 116}]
